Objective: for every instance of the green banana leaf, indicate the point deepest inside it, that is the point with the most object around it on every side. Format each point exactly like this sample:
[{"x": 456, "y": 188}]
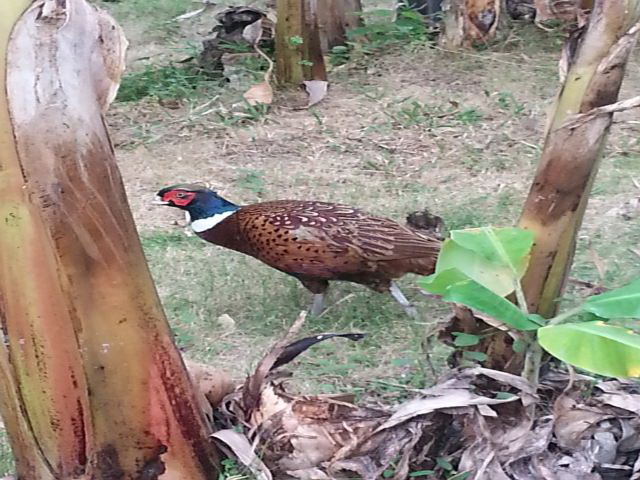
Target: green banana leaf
[
  {"x": 438, "y": 283},
  {"x": 594, "y": 346},
  {"x": 622, "y": 302},
  {"x": 480, "y": 298},
  {"x": 502, "y": 246},
  {"x": 500, "y": 279}
]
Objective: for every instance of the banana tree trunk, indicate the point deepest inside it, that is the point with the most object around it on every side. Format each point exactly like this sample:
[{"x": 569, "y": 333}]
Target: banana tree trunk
[
  {"x": 558, "y": 197},
  {"x": 570, "y": 158},
  {"x": 298, "y": 47},
  {"x": 469, "y": 22},
  {"x": 92, "y": 385}
]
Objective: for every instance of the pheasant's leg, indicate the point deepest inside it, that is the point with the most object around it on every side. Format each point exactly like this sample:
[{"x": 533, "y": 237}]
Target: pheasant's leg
[
  {"x": 318, "y": 287},
  {"x": 402, "y": 300},
  {"x": 317, "y": 306}
]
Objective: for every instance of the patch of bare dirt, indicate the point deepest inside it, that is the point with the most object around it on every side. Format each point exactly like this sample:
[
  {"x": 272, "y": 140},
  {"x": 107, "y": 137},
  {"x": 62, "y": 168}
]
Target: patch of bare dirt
[{"x": 363, "y": 136}]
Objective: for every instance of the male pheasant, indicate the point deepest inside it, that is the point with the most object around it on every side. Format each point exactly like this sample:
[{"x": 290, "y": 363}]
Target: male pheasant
[{"x": 316, "y": 242}]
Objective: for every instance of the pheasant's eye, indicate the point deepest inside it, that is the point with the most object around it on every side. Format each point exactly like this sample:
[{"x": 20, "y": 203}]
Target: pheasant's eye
[{"x": 180, "y": 195}]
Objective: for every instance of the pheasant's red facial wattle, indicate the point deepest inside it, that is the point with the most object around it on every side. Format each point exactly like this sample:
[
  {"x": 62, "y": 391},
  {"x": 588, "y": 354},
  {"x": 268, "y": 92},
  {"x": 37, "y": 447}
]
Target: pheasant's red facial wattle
[{"x": 179, "y": 198}]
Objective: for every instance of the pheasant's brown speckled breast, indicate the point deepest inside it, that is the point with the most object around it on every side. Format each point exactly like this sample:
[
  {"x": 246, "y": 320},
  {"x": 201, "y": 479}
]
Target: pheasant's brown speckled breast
[
  {"x": 317, "y": 242},
  {"x": 302, "y": 238}
]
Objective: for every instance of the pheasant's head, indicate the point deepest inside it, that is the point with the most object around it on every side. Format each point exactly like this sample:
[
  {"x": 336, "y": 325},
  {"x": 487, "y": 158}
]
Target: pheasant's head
[{"x": 197, "y": 200}]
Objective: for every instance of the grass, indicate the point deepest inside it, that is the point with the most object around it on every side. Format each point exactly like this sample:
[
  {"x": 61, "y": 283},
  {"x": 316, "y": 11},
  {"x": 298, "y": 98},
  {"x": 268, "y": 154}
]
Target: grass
[
  {"x": 6, "y": 458},
  {"x": 231, "y": 470},
  {"x": 158, "y": 11},
  {"x": 382, "y": 31},
  {"x": 168, "y": 82},
  {"x": 411, "y": 127},
  {"x": 208, "y": 282},
  {"x": 151, "y": 18},
  {"x": 460, "y": 135},
  {"x": 251, "y": 180}
]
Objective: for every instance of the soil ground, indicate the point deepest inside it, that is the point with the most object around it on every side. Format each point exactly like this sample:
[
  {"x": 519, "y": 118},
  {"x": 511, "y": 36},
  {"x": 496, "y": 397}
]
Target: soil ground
[{"x": 405, "y": 127}]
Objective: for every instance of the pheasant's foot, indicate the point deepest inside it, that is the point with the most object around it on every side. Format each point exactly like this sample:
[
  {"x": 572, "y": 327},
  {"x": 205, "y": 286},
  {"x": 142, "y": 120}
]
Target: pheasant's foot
[
  {"x": 317, "y": 306},
  {"x": 402, "y": 300}
]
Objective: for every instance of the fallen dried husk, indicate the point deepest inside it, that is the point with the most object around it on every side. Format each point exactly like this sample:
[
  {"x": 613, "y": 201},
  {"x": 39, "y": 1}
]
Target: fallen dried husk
[{"x": 477, "y": 419}]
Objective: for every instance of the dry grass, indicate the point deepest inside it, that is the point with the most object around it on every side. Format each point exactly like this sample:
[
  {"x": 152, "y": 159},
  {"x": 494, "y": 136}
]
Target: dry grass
[{"x": 407, "y": 128}]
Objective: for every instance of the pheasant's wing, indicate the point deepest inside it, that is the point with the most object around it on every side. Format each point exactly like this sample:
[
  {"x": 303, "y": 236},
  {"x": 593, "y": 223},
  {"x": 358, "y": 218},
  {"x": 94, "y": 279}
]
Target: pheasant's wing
[
  {"x": 329, "y": 233},
  {"x": 379, "y": 239},
  {"x": 290, "y": 238}
]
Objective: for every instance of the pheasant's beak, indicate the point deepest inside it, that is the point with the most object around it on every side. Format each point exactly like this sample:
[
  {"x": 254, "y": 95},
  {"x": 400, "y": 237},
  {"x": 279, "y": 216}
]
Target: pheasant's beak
[{"x": 159, "y": 201}]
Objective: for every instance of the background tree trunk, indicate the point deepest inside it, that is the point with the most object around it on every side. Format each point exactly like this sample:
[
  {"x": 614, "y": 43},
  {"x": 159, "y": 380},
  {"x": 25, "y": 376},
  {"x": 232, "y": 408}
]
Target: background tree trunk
[
  {"x": 520, "y": 9},
  {"x": 543, "y": 11},
  {"x": 566, "y": 10},
  {"x": 92, "y": 385},
  {"x": 298, "y": 48},
  {"x": 425, "y": 7},
  {"x": 467, "y": 22},
  {"x": 335, "y": 18},
  {"x": 353, "y": 13}
]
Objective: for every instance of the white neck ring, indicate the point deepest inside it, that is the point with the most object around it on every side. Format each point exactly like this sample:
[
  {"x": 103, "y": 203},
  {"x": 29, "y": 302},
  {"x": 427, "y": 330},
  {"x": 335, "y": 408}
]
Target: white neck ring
[{"x": 203, "y": 224}]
